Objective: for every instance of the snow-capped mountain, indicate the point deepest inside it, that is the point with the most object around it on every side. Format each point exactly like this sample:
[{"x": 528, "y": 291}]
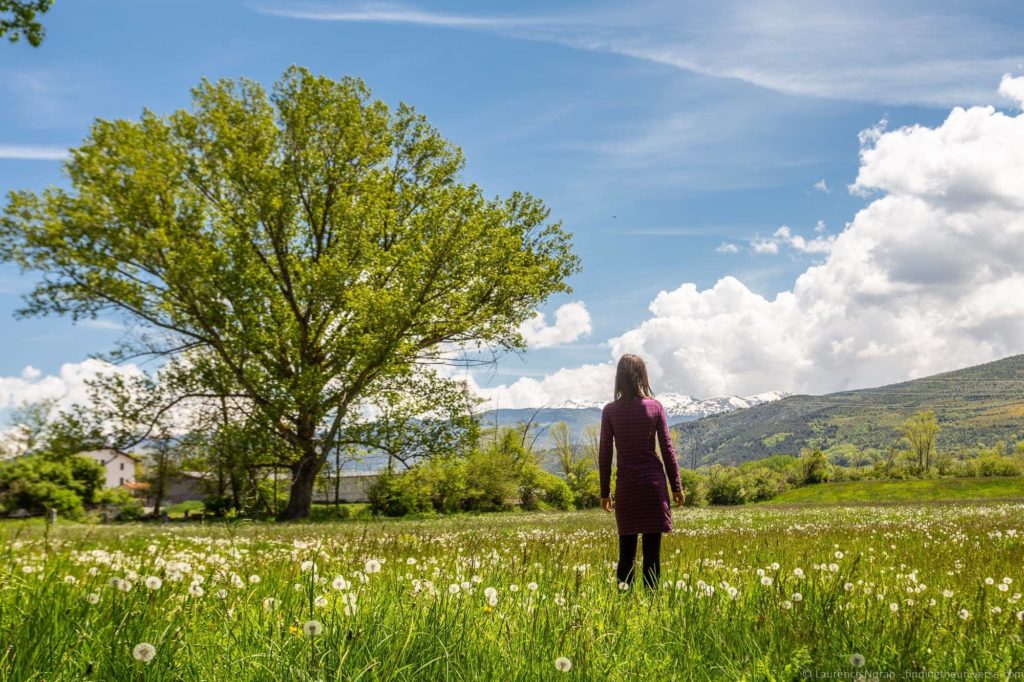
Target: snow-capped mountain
[{"x": 679, "y": 405}]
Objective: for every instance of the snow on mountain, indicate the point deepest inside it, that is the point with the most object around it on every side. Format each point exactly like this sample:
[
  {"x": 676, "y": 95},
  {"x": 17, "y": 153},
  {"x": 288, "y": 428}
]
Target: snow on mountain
[
  {"x": 684, "y": 406},
  {"x": 572, "y": 404}
]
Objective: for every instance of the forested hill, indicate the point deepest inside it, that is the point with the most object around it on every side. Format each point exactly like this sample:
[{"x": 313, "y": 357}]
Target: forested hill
[{"x": 981, "y": 404}]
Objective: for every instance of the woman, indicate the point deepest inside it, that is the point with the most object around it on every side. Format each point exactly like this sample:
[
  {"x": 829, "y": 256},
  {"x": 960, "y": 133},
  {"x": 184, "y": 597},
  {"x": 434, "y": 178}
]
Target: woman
[{"x": 633, "y": 420}]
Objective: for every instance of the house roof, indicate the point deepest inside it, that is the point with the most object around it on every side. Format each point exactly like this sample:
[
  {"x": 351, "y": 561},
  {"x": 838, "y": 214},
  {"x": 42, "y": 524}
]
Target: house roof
[{"x": 110, "y": 452}]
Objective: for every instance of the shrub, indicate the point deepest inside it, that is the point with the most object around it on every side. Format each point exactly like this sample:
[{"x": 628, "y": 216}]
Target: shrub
[
  {"x": 398, "y": 494},
  {"x": 695, "y": 487},
  {"x": 725, "y": 486},
  {"x": 121, "y": 503},
  {"x": 490, "y": 480},
  {"x": 586, "y": 489},
  {"x": 760, "y": 484},
  {"x": 996, "y": 465},
  {"x": 40, "y": 496},
  {"x": 539, "y": 489},
  {"x": 40, "y": 482},
  {"x": 444, "y": 480}
]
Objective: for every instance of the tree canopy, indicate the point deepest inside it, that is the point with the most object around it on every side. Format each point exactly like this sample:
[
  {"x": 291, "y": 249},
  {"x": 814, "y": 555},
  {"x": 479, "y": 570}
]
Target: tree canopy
[
  {"x": 18, "y": 19},
  {"x": 298, "y": 251}
]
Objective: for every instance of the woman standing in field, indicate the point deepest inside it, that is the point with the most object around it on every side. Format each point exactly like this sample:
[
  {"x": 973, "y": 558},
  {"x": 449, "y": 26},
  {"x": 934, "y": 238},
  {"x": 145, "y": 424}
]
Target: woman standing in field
[{"x": 633, "y": 420}]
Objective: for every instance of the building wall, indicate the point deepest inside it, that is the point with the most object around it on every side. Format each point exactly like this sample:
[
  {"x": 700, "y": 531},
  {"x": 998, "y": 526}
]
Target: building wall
[
  {"x": 183, "y": 489},
  {"x": 120, "y": 468},
  {"x": 353, "y": 489}
]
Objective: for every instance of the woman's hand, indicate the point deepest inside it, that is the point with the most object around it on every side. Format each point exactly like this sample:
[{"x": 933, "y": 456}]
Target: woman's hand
[
  {"x": 606, "y": 504},
  {"x": 680, "y": 497}
]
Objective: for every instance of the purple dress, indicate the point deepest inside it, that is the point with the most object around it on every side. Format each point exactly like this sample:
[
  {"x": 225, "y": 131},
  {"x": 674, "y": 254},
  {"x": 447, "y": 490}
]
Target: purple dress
[{"x": 642, "y": 502}]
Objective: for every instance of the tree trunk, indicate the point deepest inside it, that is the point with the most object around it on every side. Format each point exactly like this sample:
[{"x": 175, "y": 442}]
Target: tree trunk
[
  {"x": 337, "y": 476},
  {"x": 300, "y": 496}
]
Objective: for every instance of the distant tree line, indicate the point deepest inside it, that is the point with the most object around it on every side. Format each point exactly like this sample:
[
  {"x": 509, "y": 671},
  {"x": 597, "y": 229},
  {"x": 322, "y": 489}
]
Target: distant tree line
[{"x": 913, "y": 455}]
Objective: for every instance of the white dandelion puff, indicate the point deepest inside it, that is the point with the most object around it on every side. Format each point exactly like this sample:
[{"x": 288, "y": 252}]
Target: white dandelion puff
[
  {"x": 564, "y": 664},
  {"x": 144, "y": 652}
]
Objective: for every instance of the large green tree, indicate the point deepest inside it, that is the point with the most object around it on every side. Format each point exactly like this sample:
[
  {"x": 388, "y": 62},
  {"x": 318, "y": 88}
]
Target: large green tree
[
  {"x": 18, "y": 19},
  {"x": 303, "y": 247}
]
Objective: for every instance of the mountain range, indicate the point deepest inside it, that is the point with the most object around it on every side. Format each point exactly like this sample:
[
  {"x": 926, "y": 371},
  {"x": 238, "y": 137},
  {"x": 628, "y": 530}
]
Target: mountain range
[
  {"x": 977, "y": 405},
  {"x": 578, "y": 414},
  {"x": 983, "y": 404}
]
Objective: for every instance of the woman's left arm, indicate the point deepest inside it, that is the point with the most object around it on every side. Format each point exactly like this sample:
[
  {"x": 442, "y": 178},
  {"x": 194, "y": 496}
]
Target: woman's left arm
[{"x": 668, "y": 451}]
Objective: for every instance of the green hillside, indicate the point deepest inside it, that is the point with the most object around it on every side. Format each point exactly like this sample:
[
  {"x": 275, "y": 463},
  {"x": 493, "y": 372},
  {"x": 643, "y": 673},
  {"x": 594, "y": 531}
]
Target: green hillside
[
  {"x": 981, "y": 404},
  {"x": 905, "y": 491}
]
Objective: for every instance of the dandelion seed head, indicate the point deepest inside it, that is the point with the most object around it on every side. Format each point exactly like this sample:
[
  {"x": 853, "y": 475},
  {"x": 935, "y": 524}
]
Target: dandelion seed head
[{"x": 144, "y": 652}]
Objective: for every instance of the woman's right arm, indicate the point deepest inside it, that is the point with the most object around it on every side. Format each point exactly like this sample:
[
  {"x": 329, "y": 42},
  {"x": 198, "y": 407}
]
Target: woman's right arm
[{"x": 604, "y": 458}]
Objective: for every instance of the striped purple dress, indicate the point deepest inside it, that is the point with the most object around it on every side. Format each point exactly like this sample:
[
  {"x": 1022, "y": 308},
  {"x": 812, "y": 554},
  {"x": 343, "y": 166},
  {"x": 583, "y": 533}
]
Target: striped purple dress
[{"x": 642, "y": 502}]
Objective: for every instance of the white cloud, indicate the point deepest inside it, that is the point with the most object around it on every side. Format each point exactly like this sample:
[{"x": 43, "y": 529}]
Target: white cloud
[
  {"x": 571, "y": 322},
  {"x": 727, "y": 247},
  {"x": 398, "y": 14},
  {"x": 68, "y": 386},
  {"x": 822, "y": 244},
  {"x": 591, "y": 382},
  {"x": 761, "y": 245},
  {"x": 1012, "y": 87},
  {"x": 873, "y": 51},
  {"x": 926, "y": 278},
  {"x": 822, "y": 186},
  {"x": 33, "y": 153}
]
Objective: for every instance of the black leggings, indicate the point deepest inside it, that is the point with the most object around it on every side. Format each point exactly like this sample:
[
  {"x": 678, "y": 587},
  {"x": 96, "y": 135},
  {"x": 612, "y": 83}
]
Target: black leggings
[{"x": 651, "y": 562}]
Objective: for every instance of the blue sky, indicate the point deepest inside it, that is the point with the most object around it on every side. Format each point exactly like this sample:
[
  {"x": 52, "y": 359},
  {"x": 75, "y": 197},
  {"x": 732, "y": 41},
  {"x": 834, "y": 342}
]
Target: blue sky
[{"x": 656, "y": 134}]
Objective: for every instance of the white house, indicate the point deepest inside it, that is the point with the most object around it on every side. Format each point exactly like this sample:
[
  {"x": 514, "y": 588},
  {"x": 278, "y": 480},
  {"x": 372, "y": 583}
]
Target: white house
[{"x": 120, "y": 466}]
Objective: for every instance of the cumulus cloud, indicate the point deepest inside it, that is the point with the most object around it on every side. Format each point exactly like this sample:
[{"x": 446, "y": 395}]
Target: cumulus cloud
[
  {"x": 822, "y": 186},
  {"x": 726, "y": 247},
  {"x": 785, "y": 237},
  {"x": 926, "y": 278},
  {"x": 1012, "y": 87},
  {"x": 586, "y": 382},
  {"x": 68, "y": 386},
  {"x": 571, "y": 322}
]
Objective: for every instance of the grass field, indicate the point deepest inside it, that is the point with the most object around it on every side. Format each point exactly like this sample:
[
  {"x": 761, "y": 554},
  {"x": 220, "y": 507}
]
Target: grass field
[
  {"x": 752, "y": 593},
  {"x": 906, "y": 491}
]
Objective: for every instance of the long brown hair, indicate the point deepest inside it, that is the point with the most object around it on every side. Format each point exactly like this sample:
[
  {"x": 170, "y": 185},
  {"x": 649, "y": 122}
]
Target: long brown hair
[{"x": 631, "y": 378}]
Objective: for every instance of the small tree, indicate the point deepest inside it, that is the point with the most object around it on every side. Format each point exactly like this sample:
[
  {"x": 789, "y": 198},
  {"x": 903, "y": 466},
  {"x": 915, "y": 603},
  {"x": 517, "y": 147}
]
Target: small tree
[
  {"x": 919, "y": 433},
  {"x": 815, "y": 465}
]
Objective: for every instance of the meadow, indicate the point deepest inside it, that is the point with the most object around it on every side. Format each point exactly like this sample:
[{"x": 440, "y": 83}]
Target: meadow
[
  {"x": 912, "y": 490},
  {"x": 749, "y": 593}
]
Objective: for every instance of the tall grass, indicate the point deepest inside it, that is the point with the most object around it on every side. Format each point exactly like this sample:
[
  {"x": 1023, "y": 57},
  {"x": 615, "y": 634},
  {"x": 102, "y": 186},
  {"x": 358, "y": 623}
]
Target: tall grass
[{"x": 880, "y": 591}]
